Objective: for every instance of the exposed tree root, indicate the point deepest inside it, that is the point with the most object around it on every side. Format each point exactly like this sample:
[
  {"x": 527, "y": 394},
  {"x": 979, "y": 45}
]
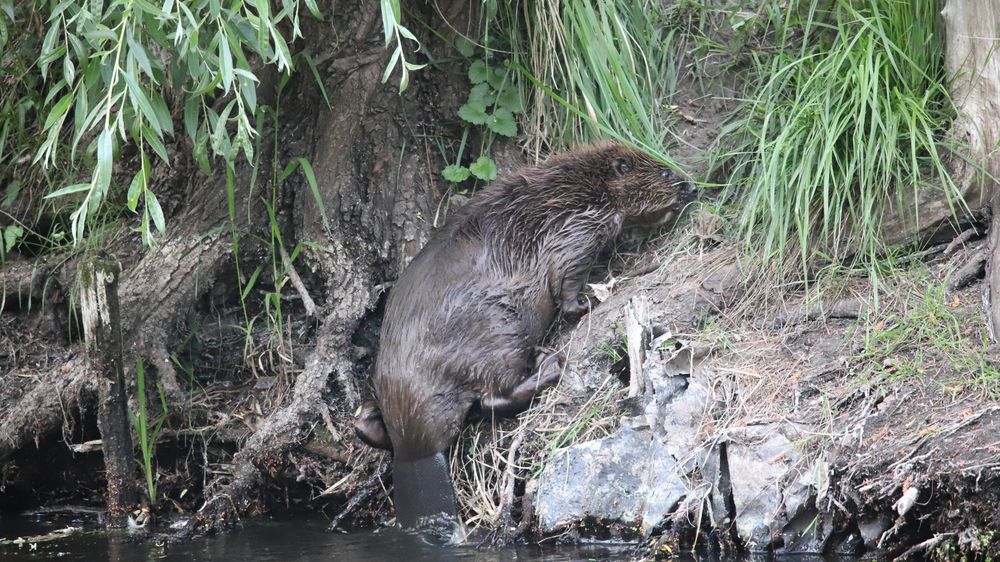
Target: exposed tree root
[
  {"x": 369, "y": 487},
  {"x": 43, "y": 409}
]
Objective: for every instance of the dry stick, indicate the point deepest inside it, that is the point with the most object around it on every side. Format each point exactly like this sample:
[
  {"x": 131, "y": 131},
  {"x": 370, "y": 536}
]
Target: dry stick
[
  {"x": 300, "y": 287},
  {"x": 968, "y": 272},
  {"x": 960, "y": 240},
  {"x": 102, "y": 333}
]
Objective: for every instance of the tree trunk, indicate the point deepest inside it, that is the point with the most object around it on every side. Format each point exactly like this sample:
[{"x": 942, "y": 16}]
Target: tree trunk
[
  {"x": 972, "y": 42},
  {"x": 375, "y": 161}
]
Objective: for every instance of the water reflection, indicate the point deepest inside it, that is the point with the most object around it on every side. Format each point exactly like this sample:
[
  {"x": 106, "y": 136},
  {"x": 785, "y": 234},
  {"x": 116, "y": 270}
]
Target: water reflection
[{"x": 288, "y": 540}]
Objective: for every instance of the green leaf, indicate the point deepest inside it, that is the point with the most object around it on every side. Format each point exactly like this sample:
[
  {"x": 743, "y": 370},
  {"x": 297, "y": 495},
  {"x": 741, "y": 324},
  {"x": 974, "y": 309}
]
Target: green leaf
[
  {"x": 225, "y": 62},
  {"x": 484, "y": 168},
  {"x": 139, "y": 98},
  {"x": 11, "y": 235},
  {"x": 314, "y": 10},
  {"x": 510, "y": 99},
  {"x": 69, "y": 71},
  {"x": 139, "y": 184},
  {"x": 139, "y": 52},
  {"x": 464, "y": 46},
  {"x": 474, "y": 112},
  {"x": 455, "y": 173},
  {"x": 251, "y": 282},
  {"x": 479, "y": 72},
  {"x": 58, "y": 111},
  {"x": 315, "y": 73},
  {"x": 154, "y": 141},
  {"x": 497, "y": 79},
  {"x": 48, "y": 46},
  {"x": 502, "y": 123},
  {"x": 155, "y": 211},
  {"x": 388, "y": 20},
  {"x": 392, "y": 64},
  {"x": 105, "y": 154},
  {"x": 192, "y": 108},
  {"x": 12, "y": 191},
  {"x": 75, "y": 188},
  {"x": 163, "y": 116},
  {"x": 482, "y": 95}
]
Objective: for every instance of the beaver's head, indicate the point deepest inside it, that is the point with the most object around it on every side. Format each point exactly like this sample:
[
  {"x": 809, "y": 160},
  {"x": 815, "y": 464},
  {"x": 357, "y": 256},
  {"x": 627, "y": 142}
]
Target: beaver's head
[{"x": 642, "y": 189}]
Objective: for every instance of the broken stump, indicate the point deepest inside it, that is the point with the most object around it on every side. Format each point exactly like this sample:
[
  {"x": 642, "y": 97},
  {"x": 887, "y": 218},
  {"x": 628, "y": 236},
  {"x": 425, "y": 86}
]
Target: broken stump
[{"x": 102, "y": 334}]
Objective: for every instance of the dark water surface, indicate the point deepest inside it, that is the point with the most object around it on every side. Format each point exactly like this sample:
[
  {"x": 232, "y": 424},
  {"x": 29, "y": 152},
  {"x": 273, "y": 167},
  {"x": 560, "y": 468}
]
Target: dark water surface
[
  {"x": 292, "y": 539},
  {"x": 299, "y": 539}
]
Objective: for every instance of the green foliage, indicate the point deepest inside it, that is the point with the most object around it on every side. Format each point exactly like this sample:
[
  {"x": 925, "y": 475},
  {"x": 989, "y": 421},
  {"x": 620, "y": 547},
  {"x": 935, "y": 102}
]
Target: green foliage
[
  {"x": 491, "y": 105},
  {"x": 846, "y": 120},
  {"x": 279, "y": 271},
  {"x": 395, "y": 31},
  {"x": 147, "y": 429},
  {"x": 606, "y": 69},
  {"x": 109, "y": 73}
]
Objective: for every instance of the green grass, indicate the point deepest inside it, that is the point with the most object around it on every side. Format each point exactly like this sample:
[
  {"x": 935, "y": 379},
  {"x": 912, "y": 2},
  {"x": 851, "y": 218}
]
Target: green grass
[
  {"x": 925, "y": 335},
  {"x": 840, "y": 125},
  {"x": 598, "y": 69},
  {"x": 147, "y": 429}
]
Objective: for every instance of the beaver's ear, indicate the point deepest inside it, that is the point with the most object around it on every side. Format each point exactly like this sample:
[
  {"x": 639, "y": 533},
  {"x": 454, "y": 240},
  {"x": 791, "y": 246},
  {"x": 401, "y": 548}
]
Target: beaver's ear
[{"x": 621, "y": 166}]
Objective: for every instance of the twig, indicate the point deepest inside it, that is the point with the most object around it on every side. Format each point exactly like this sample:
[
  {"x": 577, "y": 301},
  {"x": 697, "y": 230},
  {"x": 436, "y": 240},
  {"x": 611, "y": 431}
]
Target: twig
[
  {"x": 293, "y": 276},
  {"x": 926, "y": 545},
  {"x": 505, "y": 518},
  {"x": 968, "y": 272}
]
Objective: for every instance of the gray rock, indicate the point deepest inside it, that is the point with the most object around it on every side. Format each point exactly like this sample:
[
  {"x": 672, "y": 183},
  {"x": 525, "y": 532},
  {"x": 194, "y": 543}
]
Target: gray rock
[
  {"x": 628, "y": 477},
  {"x": 771, "y": 499},
  {"x": 872, "y": 528}
]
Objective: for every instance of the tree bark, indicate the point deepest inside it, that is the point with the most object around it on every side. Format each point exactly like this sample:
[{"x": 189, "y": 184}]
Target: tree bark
[
  {"x": 972, "y": 42},
  {"x": 103, "y": 341},
  {"x": 375, "y": 160}
]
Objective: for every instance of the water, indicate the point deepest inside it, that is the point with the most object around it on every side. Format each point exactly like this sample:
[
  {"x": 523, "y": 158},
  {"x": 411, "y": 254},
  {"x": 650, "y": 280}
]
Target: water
[{"x": 294, "y": 539}]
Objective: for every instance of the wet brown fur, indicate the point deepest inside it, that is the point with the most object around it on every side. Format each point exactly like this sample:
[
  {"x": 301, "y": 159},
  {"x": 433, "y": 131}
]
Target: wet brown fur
[{"x": 463, "y": 320}]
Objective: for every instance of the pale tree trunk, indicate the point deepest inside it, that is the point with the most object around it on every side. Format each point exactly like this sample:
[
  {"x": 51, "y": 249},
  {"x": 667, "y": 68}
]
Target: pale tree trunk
[{"x": 973, "y": 36}]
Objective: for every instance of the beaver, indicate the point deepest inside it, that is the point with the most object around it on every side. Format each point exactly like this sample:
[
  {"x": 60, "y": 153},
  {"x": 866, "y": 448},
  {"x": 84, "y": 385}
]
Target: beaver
[{"x": 464, "y": 321}]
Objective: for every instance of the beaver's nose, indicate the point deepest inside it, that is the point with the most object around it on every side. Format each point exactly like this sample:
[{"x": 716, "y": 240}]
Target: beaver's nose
[{"x": 688, "y": 190}]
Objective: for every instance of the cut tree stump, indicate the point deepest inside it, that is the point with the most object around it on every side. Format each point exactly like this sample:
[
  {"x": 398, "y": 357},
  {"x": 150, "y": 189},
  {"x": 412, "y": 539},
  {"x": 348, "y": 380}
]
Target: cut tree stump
[{"x": 103, "y": 340}]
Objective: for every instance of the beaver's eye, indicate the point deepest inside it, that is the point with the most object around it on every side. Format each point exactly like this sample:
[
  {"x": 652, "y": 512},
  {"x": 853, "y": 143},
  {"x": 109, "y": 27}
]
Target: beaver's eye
[{"x": 621, "y": 166}]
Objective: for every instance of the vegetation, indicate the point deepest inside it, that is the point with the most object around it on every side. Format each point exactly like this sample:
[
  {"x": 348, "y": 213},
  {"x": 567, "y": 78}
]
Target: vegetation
[
  {"x": 845, "y": 120},
  {"x": 923, "y": 334},
  {"x": 147, "y": 428},
  {"x": 111, "y": 74},
  {"x": 592, "y": 69},
  {"x": 842, "y": 120}
]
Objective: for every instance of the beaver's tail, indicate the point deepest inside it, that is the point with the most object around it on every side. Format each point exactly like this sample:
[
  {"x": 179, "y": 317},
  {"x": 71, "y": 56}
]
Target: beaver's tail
[{"x": 423, "y": 490}]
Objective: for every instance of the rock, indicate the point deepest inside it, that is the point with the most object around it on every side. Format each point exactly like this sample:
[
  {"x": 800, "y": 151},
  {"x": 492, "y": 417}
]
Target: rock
[
  {"x": 771, "y": 502},
  {"x": 872, "y": 527},
  {"x": 676, "y": 402},
  {"x": 627, "y": 478}
]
